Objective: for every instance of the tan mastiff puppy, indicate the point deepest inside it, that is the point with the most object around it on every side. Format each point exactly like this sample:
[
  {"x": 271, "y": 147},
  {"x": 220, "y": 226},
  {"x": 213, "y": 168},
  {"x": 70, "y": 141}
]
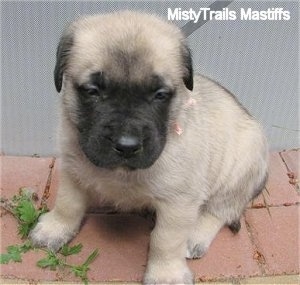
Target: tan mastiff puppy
[{"x": 138, "y": 130}]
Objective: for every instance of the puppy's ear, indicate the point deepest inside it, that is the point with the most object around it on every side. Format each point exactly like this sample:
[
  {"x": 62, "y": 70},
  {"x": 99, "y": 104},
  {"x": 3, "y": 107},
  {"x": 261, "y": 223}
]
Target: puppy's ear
[
  {"x": 62, "y": 54},
  {"x": 188, "y": 67}
]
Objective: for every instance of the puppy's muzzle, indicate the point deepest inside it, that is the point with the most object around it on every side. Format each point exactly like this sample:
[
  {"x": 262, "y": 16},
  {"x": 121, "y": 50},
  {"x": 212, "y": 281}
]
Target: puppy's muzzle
[{"x": 127, "y": 146}]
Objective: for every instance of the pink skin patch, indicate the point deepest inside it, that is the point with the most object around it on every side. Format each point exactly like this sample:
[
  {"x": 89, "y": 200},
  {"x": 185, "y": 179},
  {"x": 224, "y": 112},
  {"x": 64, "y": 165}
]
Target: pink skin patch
[
  {"x": 178, "y": 129},
  {"x": 190, "y": 103}
]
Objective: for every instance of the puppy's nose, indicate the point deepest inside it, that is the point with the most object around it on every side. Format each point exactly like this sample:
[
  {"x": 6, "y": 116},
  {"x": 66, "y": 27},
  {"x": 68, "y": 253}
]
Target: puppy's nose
[{"x": 128, "y": 145}]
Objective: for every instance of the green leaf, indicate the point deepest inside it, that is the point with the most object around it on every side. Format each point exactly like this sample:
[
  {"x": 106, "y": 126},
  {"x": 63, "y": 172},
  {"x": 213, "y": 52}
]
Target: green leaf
[
  {"x": 45, "y": 262},
  {"x": 51, "y": 261},
  {"x": 66, "y": 250},
  {"x": 23, "y": 209},
  {"x": 81, "y": 270},
  {"x": 91, "y": 258},
  {"x": 24, "y": 230},
  {"x": 5, "y": 258},
  {"x": 26, "y": 211},
  {"x": 14, "y": 253}
]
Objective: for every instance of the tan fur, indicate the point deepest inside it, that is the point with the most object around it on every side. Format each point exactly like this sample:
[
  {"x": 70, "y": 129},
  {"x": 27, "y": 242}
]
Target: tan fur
[{"x": 204, "y": 177}]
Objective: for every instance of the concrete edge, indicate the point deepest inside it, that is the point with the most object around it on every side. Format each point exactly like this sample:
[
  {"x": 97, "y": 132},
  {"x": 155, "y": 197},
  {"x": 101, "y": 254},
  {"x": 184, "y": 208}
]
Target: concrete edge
[{"x": 280, "y": 279}]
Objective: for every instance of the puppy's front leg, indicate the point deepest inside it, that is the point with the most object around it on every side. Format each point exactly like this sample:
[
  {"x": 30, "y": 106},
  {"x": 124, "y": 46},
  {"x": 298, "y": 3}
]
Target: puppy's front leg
[
  {"x": 166, "y": 262},
  {"x": 60, "y": 225}
]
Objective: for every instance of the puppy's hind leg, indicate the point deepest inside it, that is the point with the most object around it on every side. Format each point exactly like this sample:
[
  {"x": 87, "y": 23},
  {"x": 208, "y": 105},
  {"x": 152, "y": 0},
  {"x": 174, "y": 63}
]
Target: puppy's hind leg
[
  {"x": 235, "y": 226},
  {"x": 202, "y": 235}
]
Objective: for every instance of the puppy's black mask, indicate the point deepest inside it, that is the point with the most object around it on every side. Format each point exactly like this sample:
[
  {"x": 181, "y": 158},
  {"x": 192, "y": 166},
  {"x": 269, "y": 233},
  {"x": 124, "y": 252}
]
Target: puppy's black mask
[{"x": 123, "y": 124}]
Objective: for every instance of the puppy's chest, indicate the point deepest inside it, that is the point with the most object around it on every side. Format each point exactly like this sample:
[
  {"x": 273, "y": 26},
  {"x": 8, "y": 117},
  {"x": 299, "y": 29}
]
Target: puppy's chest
[{"x": 123, "y": 193}]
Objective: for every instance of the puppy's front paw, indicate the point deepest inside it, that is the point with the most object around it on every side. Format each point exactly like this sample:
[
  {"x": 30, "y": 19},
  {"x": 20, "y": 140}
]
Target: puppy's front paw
[
  {"x": 52, "y": 232},
  {"x": 168, "y": 274}
]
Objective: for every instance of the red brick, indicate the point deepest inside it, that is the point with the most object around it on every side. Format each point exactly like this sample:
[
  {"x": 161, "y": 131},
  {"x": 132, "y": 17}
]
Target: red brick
[
  {"x": 228, "y": 256},
  {"x": 26, "y": 269},
  {"x": 280, "y": 191},
  {"x": 123, "y": 244},
  {"x": 17, "y": 172},
  {"x": 292, "y": 160},
  {"x": 260, "y": 201},
  {"x": 122, "y": 241},
  {"x": 276, "y": 235}
]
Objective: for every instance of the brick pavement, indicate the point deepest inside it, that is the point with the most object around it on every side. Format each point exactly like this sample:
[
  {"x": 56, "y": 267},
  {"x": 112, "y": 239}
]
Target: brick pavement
[{"x": 267, "y": 245}]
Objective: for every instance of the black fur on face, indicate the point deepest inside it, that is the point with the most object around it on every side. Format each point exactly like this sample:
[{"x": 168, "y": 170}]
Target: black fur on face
[{"x": 122, "y": 124}]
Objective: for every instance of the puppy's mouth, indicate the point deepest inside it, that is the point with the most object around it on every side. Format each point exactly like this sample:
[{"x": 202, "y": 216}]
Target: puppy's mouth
[
  {"x": 130, "y": 164},
  {"x": 127, "y": 152}
]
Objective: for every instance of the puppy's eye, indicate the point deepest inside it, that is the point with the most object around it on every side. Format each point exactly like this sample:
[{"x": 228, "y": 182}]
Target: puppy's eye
[
  {"x": 162, "y": 94},
  {"x": 90, "y": 89}
]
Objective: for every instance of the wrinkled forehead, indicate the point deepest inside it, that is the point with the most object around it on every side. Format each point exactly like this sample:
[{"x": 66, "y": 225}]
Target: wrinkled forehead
[
  {"x": 129, "y": 59},
  {"x": 149, "y": 84}
]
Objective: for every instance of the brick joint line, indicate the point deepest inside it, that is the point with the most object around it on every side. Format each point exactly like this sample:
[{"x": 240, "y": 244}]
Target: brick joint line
[
  {"x": 46, "y": 192},
  {"x": 257, "y": 254},
  {"x": 290, "y": 172}
]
